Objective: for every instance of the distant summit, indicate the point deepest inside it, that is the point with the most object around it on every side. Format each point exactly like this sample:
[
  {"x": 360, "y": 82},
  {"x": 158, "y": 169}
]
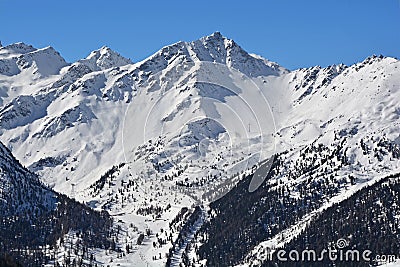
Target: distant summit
[{"x": 105, "y": 58}]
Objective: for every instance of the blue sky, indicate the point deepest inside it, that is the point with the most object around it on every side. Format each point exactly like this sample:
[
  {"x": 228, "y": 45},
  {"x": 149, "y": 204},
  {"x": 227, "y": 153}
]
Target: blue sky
[{"x": 293, "y": 33}]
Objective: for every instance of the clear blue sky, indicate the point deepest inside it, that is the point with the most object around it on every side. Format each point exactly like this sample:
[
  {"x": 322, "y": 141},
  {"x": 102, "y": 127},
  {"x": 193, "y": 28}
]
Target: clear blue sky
[{"x": 293, "y": 33}]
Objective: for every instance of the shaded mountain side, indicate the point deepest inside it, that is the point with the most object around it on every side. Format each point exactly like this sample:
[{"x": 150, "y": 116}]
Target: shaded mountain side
[
  {"x": 368, "y": 220},
  {"x": 240, "y": 220},
  {"x": 34, "y": 219},
  {"x": 43, "y": 234},
  {"x": 7, "y": 261}
]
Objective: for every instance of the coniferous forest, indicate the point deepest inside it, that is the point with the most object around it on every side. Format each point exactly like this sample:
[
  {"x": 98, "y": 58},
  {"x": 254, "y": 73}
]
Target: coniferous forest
[{"x": 40, "y": 226}]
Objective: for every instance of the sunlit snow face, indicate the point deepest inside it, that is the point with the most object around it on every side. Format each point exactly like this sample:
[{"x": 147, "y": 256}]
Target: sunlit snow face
[{"x": 205, "y": 124}]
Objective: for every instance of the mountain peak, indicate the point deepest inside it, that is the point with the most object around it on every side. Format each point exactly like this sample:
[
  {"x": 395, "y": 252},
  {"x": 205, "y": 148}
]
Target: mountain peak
[
  {"x": 20, "y": 57},
  {"x": 105, "y": 58},
  {"x": 215, "y": 35},
  {"x": 213, "y": 48},
  {"x": 219, "y": 49},
  {"x": 105, "y": 49},
  {"x": 16, "y": 49}
]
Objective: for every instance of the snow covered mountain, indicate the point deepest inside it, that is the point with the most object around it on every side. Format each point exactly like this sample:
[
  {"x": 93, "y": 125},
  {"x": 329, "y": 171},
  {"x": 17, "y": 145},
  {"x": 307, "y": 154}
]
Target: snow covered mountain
[{"x": 147, "y": 140}]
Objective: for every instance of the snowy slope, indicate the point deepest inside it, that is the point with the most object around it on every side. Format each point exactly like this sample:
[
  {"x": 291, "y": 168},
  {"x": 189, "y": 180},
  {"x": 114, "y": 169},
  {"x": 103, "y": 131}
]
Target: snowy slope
[
  {"x": 184, "y": 124},
  {"x": 71, "y": 113}
]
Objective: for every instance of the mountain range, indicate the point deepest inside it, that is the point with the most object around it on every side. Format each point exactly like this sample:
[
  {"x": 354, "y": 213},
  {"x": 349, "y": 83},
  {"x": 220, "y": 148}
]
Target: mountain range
[{"x": 164, "y": 152}]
